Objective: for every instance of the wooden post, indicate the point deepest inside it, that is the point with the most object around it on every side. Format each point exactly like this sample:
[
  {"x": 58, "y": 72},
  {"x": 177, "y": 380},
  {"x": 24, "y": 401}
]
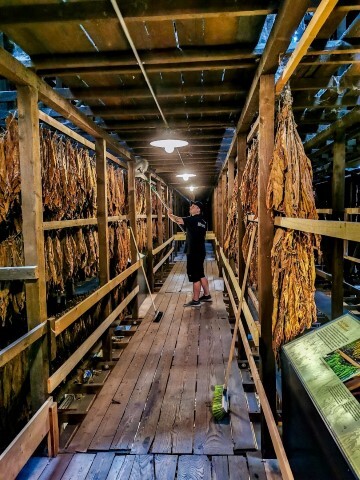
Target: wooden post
[
  {"x": 33, "y": 235},
  {"x": 338, "y": 203},
  {"x": 149, "y": 234},
  {"x": 103, "y": 233},
  {"x": 265, "y": 240},
  {"x": 166, "y": 221},
  {"x": 241, "y": 162},
  {"x": 223, "y": 205},
  {"x": 159, "y": 214},
  {"x": 231, "y": 168},
  {"x": 132, "y": 221}
]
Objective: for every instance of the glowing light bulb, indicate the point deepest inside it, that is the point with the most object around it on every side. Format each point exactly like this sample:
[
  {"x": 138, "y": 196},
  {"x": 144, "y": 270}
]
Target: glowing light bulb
[
  {"x": 169, "y": 149},
  {"x": 191, "y": 189},
  {"x": 186, "y": 177}
]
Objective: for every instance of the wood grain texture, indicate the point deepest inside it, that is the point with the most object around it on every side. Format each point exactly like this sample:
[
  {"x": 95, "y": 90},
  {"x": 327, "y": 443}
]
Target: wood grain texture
[
  {"x": 165, "y": 467},
  {"x": 196, "y": 467}
]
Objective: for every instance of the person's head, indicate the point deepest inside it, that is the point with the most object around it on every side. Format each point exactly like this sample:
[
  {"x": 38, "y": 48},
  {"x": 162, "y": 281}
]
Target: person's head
[{"x": 196, "y": 208}]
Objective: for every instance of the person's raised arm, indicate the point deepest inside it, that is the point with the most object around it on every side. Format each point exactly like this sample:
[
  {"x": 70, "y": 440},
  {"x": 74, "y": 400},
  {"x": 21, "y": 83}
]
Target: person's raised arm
[{"x": 174, "y": 218}]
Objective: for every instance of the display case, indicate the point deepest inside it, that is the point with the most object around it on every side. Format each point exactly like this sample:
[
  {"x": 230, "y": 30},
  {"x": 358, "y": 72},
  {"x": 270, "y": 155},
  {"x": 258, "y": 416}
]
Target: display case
[{"x": 321, "y": 409}]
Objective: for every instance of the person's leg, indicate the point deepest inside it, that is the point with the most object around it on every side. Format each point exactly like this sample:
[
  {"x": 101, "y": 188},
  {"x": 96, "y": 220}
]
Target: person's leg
[
  {"x": 205, "y": 285},
  {"x": 196, "y": 290}
]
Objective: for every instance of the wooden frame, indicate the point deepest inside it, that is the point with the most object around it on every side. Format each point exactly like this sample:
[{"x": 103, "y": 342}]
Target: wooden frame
[
  {"x": 43, "y": 423},
  {"x": 72, "y": 315},
  {"x": 162, "y": 246},
  {"x": 158, "y": 265},
  {"x": 19, "y": 273},
  {"x": 60, "y": 374}
]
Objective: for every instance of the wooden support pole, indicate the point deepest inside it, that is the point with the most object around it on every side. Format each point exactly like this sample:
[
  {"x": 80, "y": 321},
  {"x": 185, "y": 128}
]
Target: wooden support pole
[
  {"x": 223, "y": 207},
  {"x": 231, "y": 170},
  {"x": 338, "y": 203},
  {"x": 132, "y": 222},
  {"x": 265, "y": 240},
  {"x": 159, "y": 213},
  {"x": 103, "y": 233},
  {"x": 149, "y": 234},
  {"x": 166, "y": 221},
  {"x": 33, "y": 235},
  {"x": 102, "y": 211},
  {"x": 241, "y": 162}
]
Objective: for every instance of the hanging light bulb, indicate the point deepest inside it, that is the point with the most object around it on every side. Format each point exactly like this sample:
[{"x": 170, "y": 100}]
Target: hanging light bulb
[
  {"x": 191, "y": 189},
  {"x": 186, "y": 176},
  {"x": 169, "y": 144}
]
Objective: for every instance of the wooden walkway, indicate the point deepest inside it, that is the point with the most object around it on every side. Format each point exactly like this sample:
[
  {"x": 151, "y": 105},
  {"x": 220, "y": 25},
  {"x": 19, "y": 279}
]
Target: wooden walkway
[{"x": 152, "y": 418}]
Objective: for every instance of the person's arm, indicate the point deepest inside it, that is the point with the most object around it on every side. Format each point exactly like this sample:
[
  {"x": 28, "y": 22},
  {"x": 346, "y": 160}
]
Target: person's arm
[{"x": 174, "y": 218}]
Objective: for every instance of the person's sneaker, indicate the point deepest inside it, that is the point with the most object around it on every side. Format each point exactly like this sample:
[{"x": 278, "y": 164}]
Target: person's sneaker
[
  {"x": 205, "y": 298},
  {"x": 193, "y": 303}
]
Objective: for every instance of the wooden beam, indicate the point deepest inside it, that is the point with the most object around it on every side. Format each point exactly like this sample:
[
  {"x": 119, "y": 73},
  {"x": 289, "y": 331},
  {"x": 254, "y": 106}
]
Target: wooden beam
[
  {"x": 22, "y": 343},
  {"x": 265, "y": 240},
  {"x": 119, "y": 112},
  {"x": 153, "y": 57},
  {"x": 60, "y": 374},
  {"x": 219, "y": 123},
  {"x": 329, "y": 228},
  {"x": 162, "y": 246},
  {"x": 241, "y": 162},
  {"x": 223, "y": 212},
  {"x": 15, "y": 72},
  {"x": 79, "y": 222},
  {"x": 350, "y": 119},
  {"x": 32, "y": 212},
  {"x": 166, "y": 68},
  {"x": 72, "y": 315},
  {"x": 26, "y": 442},
  {"x": 338, "y": 203},
  {"x": 149, "y": 234},
  {"x": 320, "y": 16},
  {"x": 163, "y": 260},
  {"x": 102, "y": 212},
  {"x": 19, "y": 273}
]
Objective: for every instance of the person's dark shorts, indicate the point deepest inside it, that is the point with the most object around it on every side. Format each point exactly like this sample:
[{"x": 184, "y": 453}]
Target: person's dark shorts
[{"x": 195, "y": 267}]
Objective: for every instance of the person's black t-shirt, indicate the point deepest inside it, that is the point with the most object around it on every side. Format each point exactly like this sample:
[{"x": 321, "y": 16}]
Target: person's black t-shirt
[{"x": 195, "y": 234}]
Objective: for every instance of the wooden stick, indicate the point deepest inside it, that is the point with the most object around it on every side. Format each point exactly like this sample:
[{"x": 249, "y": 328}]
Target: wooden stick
[{"x": 232, "y": 348}]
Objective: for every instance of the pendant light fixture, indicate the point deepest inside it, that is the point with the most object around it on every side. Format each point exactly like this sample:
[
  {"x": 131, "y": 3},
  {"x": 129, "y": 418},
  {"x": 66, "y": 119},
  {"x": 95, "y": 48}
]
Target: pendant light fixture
[
  {"x": 169, "y": 144},
  {"x": 186, "y": 176}
]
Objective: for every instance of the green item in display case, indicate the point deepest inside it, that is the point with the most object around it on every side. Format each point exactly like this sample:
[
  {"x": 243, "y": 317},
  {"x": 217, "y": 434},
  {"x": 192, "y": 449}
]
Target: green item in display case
[{"x": 327, "y": 363}]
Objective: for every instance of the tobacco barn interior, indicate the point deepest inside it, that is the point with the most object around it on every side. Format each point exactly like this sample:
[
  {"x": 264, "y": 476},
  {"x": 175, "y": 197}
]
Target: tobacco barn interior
[{"x": 104, "y": 372}]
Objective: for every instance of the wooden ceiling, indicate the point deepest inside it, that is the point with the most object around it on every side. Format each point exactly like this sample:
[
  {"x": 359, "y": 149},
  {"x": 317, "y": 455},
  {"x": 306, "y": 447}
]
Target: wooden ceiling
[{"x": 203, "y": 63}]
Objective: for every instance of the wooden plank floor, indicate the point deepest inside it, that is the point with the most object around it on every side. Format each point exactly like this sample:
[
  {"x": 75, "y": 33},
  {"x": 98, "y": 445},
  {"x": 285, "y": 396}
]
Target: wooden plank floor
[{"x": 152, "y": 418}]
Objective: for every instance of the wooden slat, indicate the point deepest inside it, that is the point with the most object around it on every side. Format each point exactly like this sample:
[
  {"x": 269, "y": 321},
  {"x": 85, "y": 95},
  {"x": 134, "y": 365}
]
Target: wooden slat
[
  {"x": 128, "y": 426},
  {"x": 143, "y": 468},
  {"x": 33, "y": 468},
  {"x": 56, "y": 467},
  {"x": 57, "y": 225},
  {"x": 66, "y": 320},
  {"x": 162, "y": 246},
  {"x": 210, "y": 437},
  {"x": 163, "y": 260},
  {"x": 25, "y": 443},
  {"x": 102, "y": 212},
  {"x": 352, "y": 259},
  {"x": 121, "y": 467},
  {"x": 19, "y": 273},
  {"x": 150, "y": 416},
  {"x": 57, "y": 377},
  {"x": 100, "y": 466},
  {"x": 253, "y": 325},
  {"x": 85, "y": 435},
  {"x": 120, "y": 399},
  {"x": 330, "y": 228},
  {"x": 243, "y": 437},
  {"x": 198, "y": 465},
  {"x": 117, "y": 218},
  {"x": 15, "y": 348},
  {"x": 165, "y": 467},
  {"x": 79, "y": 467},
  {"x": 219, "y": 467},
  {"x": 319, "y": 18},
  {"x": 238, "y": 469}
]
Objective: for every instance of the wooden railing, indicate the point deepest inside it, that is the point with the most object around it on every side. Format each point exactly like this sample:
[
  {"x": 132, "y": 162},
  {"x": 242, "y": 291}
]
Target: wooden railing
[
  {"x": 254, "y": 328},
  {"x": 43, "y": 423}
]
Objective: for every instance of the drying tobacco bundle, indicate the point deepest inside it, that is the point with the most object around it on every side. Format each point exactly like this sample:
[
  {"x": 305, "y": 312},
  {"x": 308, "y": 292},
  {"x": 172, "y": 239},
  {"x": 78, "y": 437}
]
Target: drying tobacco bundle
[
  {"x": 141, "y": 234},
  {"x": 231, "y": 231},
  {"x": 249, "y": 182},
  {"x": 140, "y": 198},
  {"x": 290, "y": 192},
  {"x": 119, "y": 247},
  {"x": 293, "y": 269},
  {"x": 116, "y": 191},
  {"x": 253, "y": 268}
]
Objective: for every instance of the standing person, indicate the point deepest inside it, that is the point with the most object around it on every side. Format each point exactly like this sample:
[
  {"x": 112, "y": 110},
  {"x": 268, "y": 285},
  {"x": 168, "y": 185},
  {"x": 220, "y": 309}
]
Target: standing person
[{"x": 195, "y": 252}]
